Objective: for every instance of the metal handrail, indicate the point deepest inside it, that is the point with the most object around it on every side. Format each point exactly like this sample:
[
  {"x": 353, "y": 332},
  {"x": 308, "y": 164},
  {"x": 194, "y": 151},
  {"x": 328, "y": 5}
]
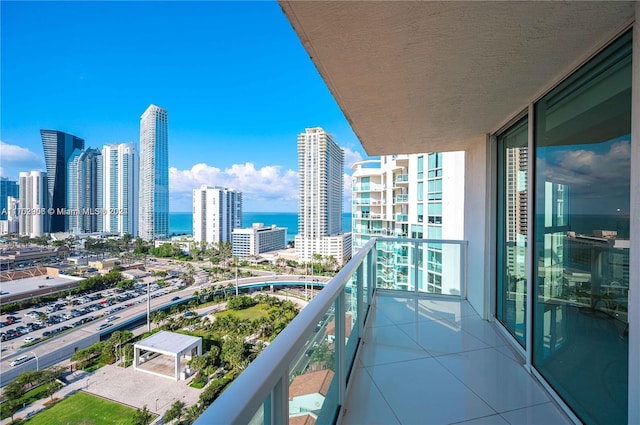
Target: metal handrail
[{"x": 256, "y": 383}]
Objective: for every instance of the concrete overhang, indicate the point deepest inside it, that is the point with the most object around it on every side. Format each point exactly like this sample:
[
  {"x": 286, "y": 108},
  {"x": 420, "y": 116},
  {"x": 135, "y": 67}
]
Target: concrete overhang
[{"x": 437, "y": 75}]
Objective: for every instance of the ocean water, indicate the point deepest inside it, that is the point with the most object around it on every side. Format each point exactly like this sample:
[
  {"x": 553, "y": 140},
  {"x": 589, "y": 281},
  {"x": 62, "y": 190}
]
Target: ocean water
[{"x": 180, "y": 223}]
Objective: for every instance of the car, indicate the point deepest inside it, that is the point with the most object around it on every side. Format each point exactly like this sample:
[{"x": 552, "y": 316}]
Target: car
[
  {"x": 20, "y": 360},
  {"x": 112, "y": 318},
  {"x": 175, "y": 298},
  {"x": 104, "y": 326},
  {"x": 29, "y": 339}
]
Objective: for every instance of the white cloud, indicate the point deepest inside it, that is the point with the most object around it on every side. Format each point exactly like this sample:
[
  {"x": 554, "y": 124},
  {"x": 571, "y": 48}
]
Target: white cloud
[
  {"x": 269, "y": 184},
  {"x": 15, "y": 158},
  {"x": 350, "y": 158}
]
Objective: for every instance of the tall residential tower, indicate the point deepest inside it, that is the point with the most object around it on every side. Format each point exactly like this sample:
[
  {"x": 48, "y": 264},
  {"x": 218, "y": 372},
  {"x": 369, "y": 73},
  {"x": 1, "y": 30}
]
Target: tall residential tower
[
  {"x": 120, "y": 188},
  {"x": 34, "y": 198},
  {"x": 216, "y": 212},
  {"x": 84, "y": 191},
  {"x": 58, "y": 147},
  {"x": 417, "y": 196},
  {"x": 321, "y": 188},
  {"x": 154, "y": 174}
]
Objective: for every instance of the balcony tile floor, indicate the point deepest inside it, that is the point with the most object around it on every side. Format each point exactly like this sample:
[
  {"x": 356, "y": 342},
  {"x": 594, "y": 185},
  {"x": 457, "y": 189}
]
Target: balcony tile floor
[{"x": 434, "y": 361}]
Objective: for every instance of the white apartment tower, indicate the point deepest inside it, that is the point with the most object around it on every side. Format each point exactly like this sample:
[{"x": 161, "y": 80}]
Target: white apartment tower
[
  {"x": 216, "y": 212},
  {"x": 120, "y": 188},
  {"x": 34, "y": 196},
  {"x": 153, "y": 220},
  {"x": 84, "y": 191},
  {"x": 321, "y": 188},
  {"x": 418, "y": 196}
]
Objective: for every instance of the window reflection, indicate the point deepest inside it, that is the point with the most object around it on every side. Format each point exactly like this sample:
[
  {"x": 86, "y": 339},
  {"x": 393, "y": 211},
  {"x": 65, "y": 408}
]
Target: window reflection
[
  {"x": 512, "y": 216},
  {"x": 581, "y": 269}
]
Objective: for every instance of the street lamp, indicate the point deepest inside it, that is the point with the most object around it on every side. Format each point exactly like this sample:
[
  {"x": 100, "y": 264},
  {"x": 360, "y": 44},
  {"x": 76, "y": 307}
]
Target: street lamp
[
  {"x": 37, "y": 366},
  {"x": 148, "y": 306},
  {"x": 157, "y": 404}
]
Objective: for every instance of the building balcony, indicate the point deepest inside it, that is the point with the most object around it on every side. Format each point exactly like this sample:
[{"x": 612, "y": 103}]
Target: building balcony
[
  {"x": 454, "y": 366},
  {"x": 371, "y": 187},
  {"x": 401, "y": 199},
  {"x": 402, "y": 218},
  {"x": 401, "y": 180}
]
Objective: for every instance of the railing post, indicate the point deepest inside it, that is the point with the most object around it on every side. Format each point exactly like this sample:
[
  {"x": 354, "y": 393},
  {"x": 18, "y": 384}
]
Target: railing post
[
  {"x": 372, "y": 275},
  {"x": 359, "y": 299},
  {"x": 280, "y": 400},
  {"x": 339, "y": 346},
  {"x": 416, "y": 274}
]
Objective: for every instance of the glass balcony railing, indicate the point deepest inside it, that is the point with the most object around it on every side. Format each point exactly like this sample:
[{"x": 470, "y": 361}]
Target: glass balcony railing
[
  {"x": 402, "y": 218},
  {"x": 320, "y": 344},
  {"x": 368, "y": 187},
  {"x": 401, "y": 179},
  {"x": 401, "y": 199}
]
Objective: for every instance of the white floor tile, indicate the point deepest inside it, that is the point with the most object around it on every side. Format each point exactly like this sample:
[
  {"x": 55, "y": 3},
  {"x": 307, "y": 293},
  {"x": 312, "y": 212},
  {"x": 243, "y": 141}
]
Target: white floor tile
[
  {"x": 476, "y": 378},
  {"x": 481, "y": 329},
  {"x": 366, "y": 405},
  {"x": 442, "y": 337},
  {"x": 423, "y": 392},
  {"x": 542, "y": 414},
  {"x": 388, "y": 344},
  {"x": 497, "y": 379}
]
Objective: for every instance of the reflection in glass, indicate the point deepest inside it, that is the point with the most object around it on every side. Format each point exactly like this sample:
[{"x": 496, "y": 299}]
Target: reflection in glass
[
  {"x": 581, "y": 268},
  {"x": 512, "y": 229}
]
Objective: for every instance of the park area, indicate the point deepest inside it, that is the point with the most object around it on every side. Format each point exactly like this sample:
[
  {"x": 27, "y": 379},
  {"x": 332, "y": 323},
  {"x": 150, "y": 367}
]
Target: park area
[{"x": 87, "y": 409}]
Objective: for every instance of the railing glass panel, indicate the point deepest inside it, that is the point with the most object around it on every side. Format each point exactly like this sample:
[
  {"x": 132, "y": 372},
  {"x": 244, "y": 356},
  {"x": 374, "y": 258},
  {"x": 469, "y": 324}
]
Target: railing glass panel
[{"x": 305, "y": 370}]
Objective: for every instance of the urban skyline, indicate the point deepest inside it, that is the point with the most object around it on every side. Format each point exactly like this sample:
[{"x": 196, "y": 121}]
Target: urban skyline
[{"x": 244, "y": 139}]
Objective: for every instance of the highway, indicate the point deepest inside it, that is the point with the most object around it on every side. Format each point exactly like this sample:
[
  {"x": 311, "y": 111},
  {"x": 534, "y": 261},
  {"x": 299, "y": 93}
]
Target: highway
[{"x": 60, "y": 348}]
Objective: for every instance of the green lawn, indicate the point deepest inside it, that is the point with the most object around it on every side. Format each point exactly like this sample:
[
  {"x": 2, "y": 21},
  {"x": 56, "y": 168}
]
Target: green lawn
[
  {"x": 84, "y": 409},
  {"x": 250, "y": 313}
]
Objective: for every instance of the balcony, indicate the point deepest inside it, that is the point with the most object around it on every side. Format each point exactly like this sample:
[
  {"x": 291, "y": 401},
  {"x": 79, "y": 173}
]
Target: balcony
[
  {"x": 401, "y": 199},
  {"x": 371, "y": 187},
  {"x": 401, "y": 179},
  {"x": 454, "y": 366},
  {"x": 402, "y": 218}
]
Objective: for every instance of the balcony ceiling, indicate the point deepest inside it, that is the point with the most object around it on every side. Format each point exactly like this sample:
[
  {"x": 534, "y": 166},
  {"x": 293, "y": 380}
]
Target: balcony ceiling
[{"x": 434, "y": 76}]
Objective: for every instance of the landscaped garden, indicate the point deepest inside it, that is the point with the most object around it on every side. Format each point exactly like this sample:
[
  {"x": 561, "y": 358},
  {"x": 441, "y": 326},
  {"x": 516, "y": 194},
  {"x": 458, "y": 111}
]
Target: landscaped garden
[{"x": 87, "y": 409}]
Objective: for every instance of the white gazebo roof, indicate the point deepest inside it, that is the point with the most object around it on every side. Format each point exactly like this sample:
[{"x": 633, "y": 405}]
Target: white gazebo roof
[{"x": 168, "y": 343}]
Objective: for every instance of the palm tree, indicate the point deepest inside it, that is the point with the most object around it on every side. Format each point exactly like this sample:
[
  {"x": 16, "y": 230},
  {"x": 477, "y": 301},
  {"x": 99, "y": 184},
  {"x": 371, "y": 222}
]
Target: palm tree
[
  {"x": 142, "y": 417},
  {"x": 192, "y": 413}
]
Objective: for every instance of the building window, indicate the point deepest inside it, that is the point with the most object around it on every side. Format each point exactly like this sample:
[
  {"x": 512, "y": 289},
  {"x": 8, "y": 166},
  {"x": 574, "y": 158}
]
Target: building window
[
  {"x": 512, "y": 229},
  {"x": 582, "y": 136}
]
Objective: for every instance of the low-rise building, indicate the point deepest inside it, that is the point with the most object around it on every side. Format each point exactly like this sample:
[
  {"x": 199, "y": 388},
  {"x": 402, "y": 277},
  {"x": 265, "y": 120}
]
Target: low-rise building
[{"x": 257, "y": 239}]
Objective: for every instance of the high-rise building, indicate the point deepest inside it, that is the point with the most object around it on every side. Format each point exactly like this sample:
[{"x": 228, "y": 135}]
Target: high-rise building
[
  {"x": 216, "y": 212},
  {"x": 34, "y": 203},
  {"x": 410, "y": 196},
  {"x": 58, "y": 147},
  {"x": 7, "y": 188},
  {"x": 154, "y": 174},
  {"x": 84, "y": 191},
  {"x": 257, "y": 239},
  {"x": 321, "y": 188},
  {"x": 120, "y": 188}
]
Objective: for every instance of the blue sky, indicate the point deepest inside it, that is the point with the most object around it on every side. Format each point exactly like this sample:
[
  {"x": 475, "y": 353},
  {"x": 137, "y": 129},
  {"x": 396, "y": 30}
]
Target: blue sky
[{"x": 234, "y": 77}]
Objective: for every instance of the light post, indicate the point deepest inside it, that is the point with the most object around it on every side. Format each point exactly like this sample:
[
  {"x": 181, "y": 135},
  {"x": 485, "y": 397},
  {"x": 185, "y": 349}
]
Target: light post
[
  {"x": 236, "y": 261},
  {"x": 148, "y": 306},
  {"x": 157, "y": 404},
  {"x": 37, "y": 366}
]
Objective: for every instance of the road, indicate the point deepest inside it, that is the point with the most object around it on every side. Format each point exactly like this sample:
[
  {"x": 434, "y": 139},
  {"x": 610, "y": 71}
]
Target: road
[{"x": 54, "y": 350}]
